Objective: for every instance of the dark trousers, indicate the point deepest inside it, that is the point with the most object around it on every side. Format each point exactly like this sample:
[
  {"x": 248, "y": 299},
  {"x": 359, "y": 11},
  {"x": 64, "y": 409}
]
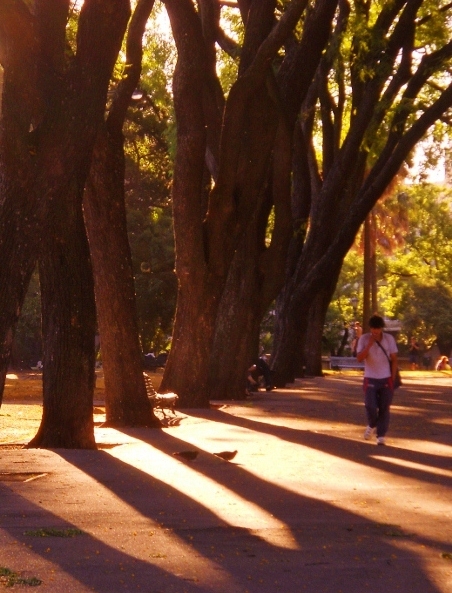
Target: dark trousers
[
  {"x": 377, "y": 399},
  {"x": 264, "y": 370}
]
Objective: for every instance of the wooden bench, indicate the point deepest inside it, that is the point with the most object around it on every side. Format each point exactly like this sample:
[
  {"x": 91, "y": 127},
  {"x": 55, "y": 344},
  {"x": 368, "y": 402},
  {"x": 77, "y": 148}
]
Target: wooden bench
[
  {"x": 345, "y": 362},
  {"x": 161, "y": 401}
]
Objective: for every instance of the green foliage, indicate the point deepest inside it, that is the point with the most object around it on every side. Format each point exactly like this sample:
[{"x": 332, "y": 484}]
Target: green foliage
[
  {"x": 421, "y": 272},
  {"x": 53, "y": 532},
  {"x": 227, "y": 65},
  {"x": 434, "y": 31},
  {"x": 415, "y": 276},
  {"x": 152, "y": 245},
  {"x": 426, "y": 311},
  {"x": 10, "y": 578},
  {"x": 149, "y": 149}
]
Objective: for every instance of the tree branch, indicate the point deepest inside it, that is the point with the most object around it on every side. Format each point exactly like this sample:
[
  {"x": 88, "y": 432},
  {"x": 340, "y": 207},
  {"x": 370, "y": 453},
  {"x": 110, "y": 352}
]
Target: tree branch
[
  {"x": 99, "y": 36},
  {"x": 132, "y": 67}
]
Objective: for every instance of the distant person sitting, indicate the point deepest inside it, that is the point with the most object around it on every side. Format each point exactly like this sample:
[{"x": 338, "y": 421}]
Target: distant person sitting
[
  {"x": 265, "y": 372},
  {"x": 252, "y": 380},
  {"x": 258, "y": 370},
  {"x": 443, "y": 364}
]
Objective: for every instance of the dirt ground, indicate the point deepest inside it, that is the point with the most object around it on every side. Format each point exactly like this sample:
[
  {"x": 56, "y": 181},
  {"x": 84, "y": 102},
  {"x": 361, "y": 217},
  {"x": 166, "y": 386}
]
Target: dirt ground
[
  {"x": 21, "y": 412},
  {"x": 305, "y": 506}
]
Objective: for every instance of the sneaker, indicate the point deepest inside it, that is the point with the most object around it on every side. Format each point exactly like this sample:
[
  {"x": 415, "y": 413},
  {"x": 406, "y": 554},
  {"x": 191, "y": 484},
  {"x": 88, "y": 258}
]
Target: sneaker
[
  {"x": 381, "y": 441},
  {"x": 368, "y": 432}
]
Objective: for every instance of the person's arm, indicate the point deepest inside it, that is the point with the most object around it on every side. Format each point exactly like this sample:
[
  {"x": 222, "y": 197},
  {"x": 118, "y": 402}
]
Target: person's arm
[{"x": 360, "y": 356}]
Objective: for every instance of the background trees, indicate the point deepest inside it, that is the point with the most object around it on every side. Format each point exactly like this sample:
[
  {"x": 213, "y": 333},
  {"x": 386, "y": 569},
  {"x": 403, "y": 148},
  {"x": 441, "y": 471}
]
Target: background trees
[
  {"x": 414, "y": 277},
  {"x": 379, "y": 88},
  {"x": 419, "y": 276}
]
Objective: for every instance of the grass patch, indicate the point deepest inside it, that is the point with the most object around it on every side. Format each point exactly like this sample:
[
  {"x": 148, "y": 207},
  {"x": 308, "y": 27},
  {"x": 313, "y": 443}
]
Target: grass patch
[
  {"x": 52, "y": 532},
  {"x": 9, "y": 578}
]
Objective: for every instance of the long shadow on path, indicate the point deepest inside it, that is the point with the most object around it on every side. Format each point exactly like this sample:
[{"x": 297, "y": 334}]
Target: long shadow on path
[{"x": 167, "y": 525}]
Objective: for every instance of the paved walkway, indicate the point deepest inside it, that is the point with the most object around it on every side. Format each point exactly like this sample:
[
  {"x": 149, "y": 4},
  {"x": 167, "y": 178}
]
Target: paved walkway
[{"x": 306, "y": 505}]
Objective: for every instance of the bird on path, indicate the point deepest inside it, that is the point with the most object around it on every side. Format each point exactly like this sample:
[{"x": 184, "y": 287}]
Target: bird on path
[
  {"x": 226, "y": 455},
  {"x": 188, "y": 455}
]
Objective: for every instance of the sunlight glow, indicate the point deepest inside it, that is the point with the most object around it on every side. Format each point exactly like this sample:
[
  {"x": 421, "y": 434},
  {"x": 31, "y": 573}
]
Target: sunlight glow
[
  {"x": 226, "y": 504},
  {"x": 417, "y": 466}
]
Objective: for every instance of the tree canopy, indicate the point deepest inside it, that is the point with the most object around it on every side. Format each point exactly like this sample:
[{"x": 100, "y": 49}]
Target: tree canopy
[{"x": 414, "y": 279}]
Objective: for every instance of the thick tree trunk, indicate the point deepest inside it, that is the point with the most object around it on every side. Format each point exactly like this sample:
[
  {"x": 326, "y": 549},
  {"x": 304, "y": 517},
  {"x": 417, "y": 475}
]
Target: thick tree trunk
[
  {"x": 312, "y": 351},
  {"x": 292, "y": 319},
  {"x": 236, "y": 341},
  {"x": 51, "y": 106},
  {"x": 287, "y": 343},
  {"x": 126, "y": 401},
  {"x": 69, "y": 321},
  {"x": 187, "y": 367},
  {"x": 208, "y": 236}
]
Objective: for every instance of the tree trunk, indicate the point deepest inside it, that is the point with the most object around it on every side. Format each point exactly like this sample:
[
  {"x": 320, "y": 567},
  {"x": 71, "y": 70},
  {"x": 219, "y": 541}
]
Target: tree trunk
[
  {"x": 287, "y": 343},
  {"x": 236, "y": 341},
  {"x": 312, "y": 351},
  {"x": 373, "y": 260},
  {"x": 126, "y": 400},
  {"x": 367, "y": 274},
  {"x": 209, "y": 235},
  {"x": 69, "y": 321},
  {"x": 187, "y": 368},
  {"x": 293, "y": 315},
  {"x": 52, "y": 105}
]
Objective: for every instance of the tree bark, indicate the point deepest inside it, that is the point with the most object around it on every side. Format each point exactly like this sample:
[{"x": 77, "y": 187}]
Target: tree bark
[
  {"x": 126, "y": 401},
  {"x": 238, "y": 204},
  {"x": 367, "y": 274},
  {"x": 69, "y": 322},
  {"x": 52, "y": 134},
  {"x": 311, "y": 353}
]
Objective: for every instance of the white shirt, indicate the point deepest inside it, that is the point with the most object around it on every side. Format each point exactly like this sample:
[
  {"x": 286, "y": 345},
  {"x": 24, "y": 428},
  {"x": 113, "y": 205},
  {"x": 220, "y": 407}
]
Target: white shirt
[{"x": 376, "y": 364}]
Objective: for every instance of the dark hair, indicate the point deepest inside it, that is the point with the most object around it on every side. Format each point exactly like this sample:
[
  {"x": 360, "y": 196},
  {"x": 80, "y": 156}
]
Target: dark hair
[{"x": 376, "y": 322}]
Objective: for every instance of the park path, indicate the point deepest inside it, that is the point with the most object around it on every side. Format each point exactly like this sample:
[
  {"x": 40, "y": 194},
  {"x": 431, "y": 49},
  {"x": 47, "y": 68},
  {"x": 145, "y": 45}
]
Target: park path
[{"x": 306, "y": 504}]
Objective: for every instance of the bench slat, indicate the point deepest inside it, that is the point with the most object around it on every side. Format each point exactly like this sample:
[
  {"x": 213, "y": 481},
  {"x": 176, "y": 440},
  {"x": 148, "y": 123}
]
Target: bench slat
[{"x": 345, "y": 362}]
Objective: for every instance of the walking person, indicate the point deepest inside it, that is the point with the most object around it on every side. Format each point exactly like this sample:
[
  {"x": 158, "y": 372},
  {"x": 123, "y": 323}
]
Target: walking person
[{"x": 378, "y": 350}]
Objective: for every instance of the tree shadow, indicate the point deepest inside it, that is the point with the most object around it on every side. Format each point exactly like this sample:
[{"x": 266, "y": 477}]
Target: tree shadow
[
  {"x": 422, "y": 413},
  {"x": 299, "y": 542}
]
